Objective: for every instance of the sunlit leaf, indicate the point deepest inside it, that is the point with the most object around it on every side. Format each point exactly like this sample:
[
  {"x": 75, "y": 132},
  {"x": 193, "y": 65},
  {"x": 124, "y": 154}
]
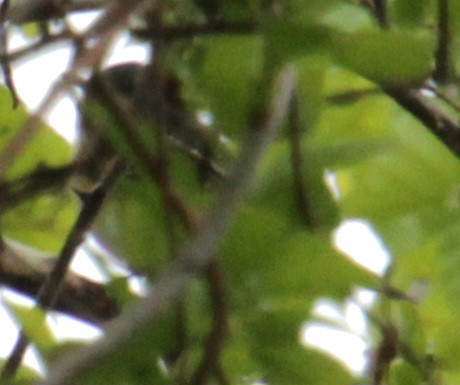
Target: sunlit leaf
[
  {"x": 33, "y": 321},
  {"x": 386, "y": 57}
]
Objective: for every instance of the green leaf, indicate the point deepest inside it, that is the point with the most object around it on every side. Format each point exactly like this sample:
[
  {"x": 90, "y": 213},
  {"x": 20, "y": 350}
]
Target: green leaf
[
  {"x": 408, "y": 12},
  {"x": 140, "y": 360},
  {"x": 231, "y": 68},
  {"x": 386, "y": 57},
  {"x": 132, "y": 223},
  {"x": 288, "y": 40},
  {"x": 268, "y": 257},
  {"x": 33, "y": 322},
  {"x": 399, "y": 188},
  {"x": 403, "y": 373},
  {"x": 42, "y": 222},
  {"x": 276, "y": 345}
]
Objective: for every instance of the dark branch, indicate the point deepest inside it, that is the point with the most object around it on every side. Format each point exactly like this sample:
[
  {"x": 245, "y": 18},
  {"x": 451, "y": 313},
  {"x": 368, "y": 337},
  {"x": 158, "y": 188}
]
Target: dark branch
[
  {"x": 444, "y": 70},
  {"x": 43, "y": 179},
  {"x": 80, "y": 297},
  {"x": 5, "y": 63},
  {"x": 26, "y": 11},
  {"x": 301, "y": 193},
  {"x": 49, "y": 291},
  {"x": 381, "y": 12},
  {"x": 435, "y": 119},
  {"x": 190, "y": 30},
  {"x": 197, "y": 254},
  {"x": 216, "y": 338}
]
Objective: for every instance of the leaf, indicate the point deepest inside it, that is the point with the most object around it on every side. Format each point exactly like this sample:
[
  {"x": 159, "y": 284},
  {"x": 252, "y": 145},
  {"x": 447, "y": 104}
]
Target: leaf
[
  {"x": 279, "y": 190},
  {"x": 276, "y": 345},
  {"x": 409, "y": 12},
  {"x": 394, "y": 184},
  {"x": 44, "y": 147},
  {"x": 231, "y": 68},
  {"x": 289, "y": 40},
  {"x": 42, "y": 222},
  {"x": 403, "y": 373},
  {"x": 33, "y": 322},
  {"x": 269, "y": 258},
  {"x": 132, "y": 223},
  {"x": 140, "y": 360},
  {"x": 386, "y": 57}
]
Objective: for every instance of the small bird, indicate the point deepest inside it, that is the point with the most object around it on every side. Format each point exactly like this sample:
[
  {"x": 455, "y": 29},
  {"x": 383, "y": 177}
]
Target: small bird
[{"x": 95, "y": 153}]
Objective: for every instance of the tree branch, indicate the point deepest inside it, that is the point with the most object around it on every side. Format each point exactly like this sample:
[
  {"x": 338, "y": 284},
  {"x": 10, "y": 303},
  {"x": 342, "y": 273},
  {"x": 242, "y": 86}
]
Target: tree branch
[
  {"x": 197, "y": 254},
  {"x": 80, "y": 297},
  {"x": 26, "y": 11},
  {"x": 436, "y": 120},
  {"x": 49, "y": 291},
  {"x": 443, "y": 61}
]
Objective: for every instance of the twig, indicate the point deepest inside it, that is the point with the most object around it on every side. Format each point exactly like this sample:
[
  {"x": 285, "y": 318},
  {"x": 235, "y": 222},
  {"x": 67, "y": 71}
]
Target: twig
[
  {"x": 301, "y": 193},
  {"x": 153, "y": 164},
  {"x": 26, "y": 11},
  {"x": 435, "y": 119},
  {"x": 197, "y": 254},
  {"x": 194, "y": 29},
  {"x": 381, "y": 12},
  {"x": 215, "y": 340},
  {"x": 49, "y": 291},
  {"x": 41, "y": 180},
  {"x": 115, "y": 18},
  {"x": 5, "y": 64},
  {"x": 24, "y": 270},
  {"x": 444, "y": 70}
]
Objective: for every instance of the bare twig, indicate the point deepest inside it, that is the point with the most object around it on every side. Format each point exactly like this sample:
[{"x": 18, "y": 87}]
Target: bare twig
[
  {"x": 301, "y": 193},
  {"x": 215, "y": 340},
  {"x": 5, "y": 63},
  {"x": 50, "y": 290},
  {"x": 26, "y": 11},
  {"x": 193, "y": 29},
  {"x": 444, "y": 70},
  {"x": 381, "y": 12},
  {"x": 24, "y": 270},
  {"x": 435, "y": 119},
  {"x": 197, "y": 254},
  {"x": 115, "y": 18},
  {"x": 41, "y": 180}
]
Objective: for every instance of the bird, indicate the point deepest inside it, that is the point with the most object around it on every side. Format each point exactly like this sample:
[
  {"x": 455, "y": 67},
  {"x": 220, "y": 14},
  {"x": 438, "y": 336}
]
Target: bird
[{"x": 95, "y": 153}]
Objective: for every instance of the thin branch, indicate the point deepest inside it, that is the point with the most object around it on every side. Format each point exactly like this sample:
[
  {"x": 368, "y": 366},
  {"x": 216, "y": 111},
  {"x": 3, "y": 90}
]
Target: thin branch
[
  {"x": 26, "y": 11},
  {"x": 215, "y": 340},
  {"x": 301, "y": 193},
  {"x": 197, "y": 254},
  {"x": 50, "y": 290},
  {"x": 153, "y": 164},
  {"x": 24, "y": 270},
  {"x": 41, "y": 180},
  {"x": 435, "y": 119},
  {"x": 114, "y": 19},
  {"x": 381, "y": 12},
  {"x": 5, "y": 63},
  {"x": 34, "y": 48},
  {"x": 195, "y": 29},
  {"x": 444, "y": 70}
]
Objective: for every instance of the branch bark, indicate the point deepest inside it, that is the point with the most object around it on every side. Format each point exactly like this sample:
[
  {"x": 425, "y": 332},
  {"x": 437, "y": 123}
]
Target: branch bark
[
  {"x": 81, "y": 298},
  {"x": 443, "y": 126},
  {"x": 197, "y": 254}
]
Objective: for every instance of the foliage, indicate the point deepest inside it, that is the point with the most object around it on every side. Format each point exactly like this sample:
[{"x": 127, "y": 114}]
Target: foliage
[{"x": 324, "y": 110}]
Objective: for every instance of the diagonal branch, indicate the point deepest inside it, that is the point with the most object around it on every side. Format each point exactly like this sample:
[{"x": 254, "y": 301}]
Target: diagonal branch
[
  {"x": 50, "y": 289},
  {"x": 24, "y": 270},
  {"x": 443, "y": 61},
  {"x": 197, "y": 254},
  {"x": 443, "y": 126}
]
